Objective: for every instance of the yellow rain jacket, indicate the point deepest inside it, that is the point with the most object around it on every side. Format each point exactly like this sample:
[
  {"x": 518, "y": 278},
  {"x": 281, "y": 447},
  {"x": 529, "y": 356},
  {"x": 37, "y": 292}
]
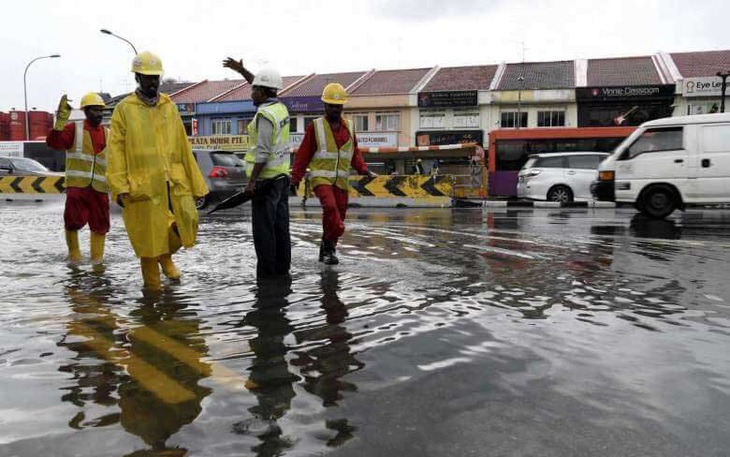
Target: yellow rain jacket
[{"x": 148, "y": 151}]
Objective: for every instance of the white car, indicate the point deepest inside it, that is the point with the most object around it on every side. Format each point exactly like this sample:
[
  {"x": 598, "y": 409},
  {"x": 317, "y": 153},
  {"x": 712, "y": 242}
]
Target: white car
[{"x": 559, "y": 176}]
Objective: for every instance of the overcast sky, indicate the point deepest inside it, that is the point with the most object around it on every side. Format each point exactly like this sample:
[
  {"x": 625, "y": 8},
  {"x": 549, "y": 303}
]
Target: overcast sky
[{"x": 306, "y": 36}]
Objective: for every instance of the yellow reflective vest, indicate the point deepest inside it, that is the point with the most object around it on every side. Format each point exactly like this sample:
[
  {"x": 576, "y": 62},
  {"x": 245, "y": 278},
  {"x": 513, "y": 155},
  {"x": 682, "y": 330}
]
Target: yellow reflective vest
[
  {"x": 330, "y": 164},
  {"x": 150, "y": 158},
  {"x": 279, "y": 162},
  {"x": 83, "y": 167}
]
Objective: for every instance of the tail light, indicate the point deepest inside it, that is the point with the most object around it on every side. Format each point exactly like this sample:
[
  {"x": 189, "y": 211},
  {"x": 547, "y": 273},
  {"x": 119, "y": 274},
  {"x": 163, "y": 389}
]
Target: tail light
[{"x": 218, "y": 172}]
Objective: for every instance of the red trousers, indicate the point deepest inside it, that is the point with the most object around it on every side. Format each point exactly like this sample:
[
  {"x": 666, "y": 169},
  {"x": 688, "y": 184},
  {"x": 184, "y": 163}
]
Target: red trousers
[
  {"x": 334, "y": 209},
  {"x": 86, "y": 206}
]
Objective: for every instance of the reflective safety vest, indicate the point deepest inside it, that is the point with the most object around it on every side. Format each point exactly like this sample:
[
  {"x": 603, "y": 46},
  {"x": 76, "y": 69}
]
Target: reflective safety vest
[
  {"x": 83, "y": 167},
  {"x": 331, "y": 165},
  {"x": 279, "y": 162}
]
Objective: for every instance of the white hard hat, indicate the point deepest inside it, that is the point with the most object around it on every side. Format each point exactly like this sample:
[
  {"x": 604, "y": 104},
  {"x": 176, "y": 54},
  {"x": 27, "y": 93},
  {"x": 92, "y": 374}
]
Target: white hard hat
[{"x": 268, "y": 78}]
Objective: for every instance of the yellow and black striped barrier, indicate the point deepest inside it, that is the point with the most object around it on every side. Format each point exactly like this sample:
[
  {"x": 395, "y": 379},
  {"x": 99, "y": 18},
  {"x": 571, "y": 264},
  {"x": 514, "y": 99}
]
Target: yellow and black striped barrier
[
  {"x": 398, "y": 186},
  {"x": 31, "y": 185}
]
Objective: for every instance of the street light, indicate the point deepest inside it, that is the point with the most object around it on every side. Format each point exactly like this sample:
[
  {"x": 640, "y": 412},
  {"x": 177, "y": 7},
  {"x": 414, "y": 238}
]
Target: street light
[
  {"x": 521, "y": 80},
  {"x": 723, "y": 75},
  {"x": 107, "y": 32},
  {"x": 25, "y": 91}
]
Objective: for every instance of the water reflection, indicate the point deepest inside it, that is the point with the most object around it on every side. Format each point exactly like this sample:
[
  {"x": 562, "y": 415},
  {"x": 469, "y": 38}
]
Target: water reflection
[
  {"x": 270, "y": 380},
  {"x": 140, "y": 372},
  {"x": 92, "y": 333},
  {"x": 324, "y": 366},
  {"x": 165, "y": 364},
  {"x": 646, "y": 227}
]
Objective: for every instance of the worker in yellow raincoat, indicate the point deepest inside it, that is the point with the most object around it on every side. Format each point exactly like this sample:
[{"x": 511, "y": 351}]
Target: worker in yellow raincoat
[{"x": 152, "y": 173}]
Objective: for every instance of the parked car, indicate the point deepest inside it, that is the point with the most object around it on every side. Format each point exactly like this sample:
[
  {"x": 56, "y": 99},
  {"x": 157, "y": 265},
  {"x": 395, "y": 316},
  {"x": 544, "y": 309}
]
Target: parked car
[
  {"x": 224, "y": 173},
  {"x": 23, "y": 166},
  {"x": 559, "y": 176},
  {"x": 670, "y": 163}
]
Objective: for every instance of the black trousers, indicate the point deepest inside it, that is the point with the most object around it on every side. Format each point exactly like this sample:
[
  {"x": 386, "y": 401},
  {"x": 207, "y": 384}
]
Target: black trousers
[{"x": 270, "y": 223}]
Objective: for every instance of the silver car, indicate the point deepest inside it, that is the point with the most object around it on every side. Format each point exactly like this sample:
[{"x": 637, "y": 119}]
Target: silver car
[
  {"x": 23, "y": 166},
  {"x": 559, "y": 176},
  {"x": 224, "y": 172}
]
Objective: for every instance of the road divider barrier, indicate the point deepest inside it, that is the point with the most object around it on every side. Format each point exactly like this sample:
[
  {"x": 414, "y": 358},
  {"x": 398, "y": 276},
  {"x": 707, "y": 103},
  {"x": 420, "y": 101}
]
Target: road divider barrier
[
  {"x": 396, "y": 186},
  {"x": 32, "y": 185}
]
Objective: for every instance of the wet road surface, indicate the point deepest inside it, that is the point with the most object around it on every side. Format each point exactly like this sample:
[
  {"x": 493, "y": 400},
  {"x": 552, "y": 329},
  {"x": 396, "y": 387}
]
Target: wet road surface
[{"x": 442, "y": 333}]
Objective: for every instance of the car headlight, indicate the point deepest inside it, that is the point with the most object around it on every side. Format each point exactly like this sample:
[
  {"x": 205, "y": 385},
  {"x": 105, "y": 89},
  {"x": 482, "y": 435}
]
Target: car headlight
[{"x": 608, "y": 175}]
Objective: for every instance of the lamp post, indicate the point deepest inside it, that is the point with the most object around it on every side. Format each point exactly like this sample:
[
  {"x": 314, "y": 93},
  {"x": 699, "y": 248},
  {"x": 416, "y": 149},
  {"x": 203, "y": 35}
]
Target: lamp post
[
  {"x": 107, "y": 32},
  {"x": 25, "y": 91},
  {"x": 521, "y": 80},
  {"x": 723, "y": 75}
]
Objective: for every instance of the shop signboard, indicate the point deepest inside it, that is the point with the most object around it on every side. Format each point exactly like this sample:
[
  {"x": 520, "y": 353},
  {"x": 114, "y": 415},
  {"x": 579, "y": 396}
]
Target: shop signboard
[
  {"x": 11, "y": 148},
  {"x": 588, "y": 94},
  {"x": 710, "y": 86},
  {"x": 442, "y": 137},
  {"x": 303, "y": 104},
  {"x": 222, "y": 142},
  {"x": 377, "y": 140},
  {"x": 186, "y": 109},
  {"x": 447, "y": 99}
]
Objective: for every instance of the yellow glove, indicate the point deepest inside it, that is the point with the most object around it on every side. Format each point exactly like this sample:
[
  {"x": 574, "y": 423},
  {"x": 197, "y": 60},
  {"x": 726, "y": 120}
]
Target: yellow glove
[{"x": 62, "y": 114}]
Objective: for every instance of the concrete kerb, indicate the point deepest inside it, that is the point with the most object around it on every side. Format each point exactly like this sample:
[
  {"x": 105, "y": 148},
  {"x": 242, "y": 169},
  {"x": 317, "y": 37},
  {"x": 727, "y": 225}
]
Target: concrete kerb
[{"x": 539, "y": 204}]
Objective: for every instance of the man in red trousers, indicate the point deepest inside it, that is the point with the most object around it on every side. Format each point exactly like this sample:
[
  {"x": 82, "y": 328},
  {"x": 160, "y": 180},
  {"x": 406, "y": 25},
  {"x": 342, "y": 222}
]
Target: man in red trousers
[{"x": 329, "y": 150}]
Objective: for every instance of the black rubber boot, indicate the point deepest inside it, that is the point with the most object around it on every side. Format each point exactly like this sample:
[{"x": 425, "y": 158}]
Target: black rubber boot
[{"x": 327, "y": 253}]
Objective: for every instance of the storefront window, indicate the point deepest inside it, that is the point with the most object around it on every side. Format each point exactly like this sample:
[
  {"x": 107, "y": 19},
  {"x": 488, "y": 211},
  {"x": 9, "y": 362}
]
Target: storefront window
[
  {"x": 433, "y": 120},
  {"x": 551, "y": 118},
  {"x": 242, "y": 125},
  {"x": 220, "y": 127},
  {"x": 509, "y": 119},
  {"x": 387, "y": 122},
  {"x": 466, "y": 119},
  {"x": 293, "y": 124},
  {"x": 361, "y": 122}
]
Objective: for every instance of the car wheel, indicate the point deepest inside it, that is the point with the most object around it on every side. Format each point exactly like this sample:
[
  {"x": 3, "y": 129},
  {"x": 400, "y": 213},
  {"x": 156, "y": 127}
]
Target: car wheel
[
  {"x": 201, "y": 202},
  {"x": 658, "y": 202},
  {"x": 561, "y": 194}
]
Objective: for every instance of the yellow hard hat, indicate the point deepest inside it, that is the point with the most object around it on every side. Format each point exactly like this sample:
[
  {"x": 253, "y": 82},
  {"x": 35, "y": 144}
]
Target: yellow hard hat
[
  {"x": 147, "y": 63},
  {"x": 334, "y": 94},
  {"x": 92, "y": 99}
]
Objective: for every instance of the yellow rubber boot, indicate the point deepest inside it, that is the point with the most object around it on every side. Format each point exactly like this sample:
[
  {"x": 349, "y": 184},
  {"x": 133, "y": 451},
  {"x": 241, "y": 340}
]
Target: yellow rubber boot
[
  {"x": 168, "y": 267},
  {"x": 97, "y": 248},
  {"x": 72, "y": 241},
  {"x": 151, "y": 273}
]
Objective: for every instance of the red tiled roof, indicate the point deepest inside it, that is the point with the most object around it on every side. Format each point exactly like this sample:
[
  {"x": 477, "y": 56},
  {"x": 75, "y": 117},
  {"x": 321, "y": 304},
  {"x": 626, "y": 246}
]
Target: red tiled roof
[
  {"x": 391, "y": 82},
  {"x": 539, "y": 75},
  {"x": 462, "y": 78},
  {"x": 314, "y": 85},
  {"x": 205, "y": 90},
  {"x": 633, "y": 71},
  {"x": 696, "y": 64},
  {"x": 244, "y": 92}
]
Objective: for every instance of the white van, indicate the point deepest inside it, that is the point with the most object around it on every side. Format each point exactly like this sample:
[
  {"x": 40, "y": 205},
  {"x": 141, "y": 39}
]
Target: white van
[{"x": 670, "y": 163}]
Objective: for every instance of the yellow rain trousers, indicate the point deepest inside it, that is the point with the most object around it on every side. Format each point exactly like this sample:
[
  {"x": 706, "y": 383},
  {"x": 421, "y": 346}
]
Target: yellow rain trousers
[{"x": 148, "y": 151}]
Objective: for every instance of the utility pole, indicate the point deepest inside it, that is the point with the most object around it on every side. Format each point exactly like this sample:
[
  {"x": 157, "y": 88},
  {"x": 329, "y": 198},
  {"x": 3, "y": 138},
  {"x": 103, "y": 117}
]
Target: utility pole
[{"x": 723, "y": 75}]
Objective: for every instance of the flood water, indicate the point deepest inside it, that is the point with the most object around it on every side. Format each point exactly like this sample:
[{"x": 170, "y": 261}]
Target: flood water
[{"x": 441, "y": 333}]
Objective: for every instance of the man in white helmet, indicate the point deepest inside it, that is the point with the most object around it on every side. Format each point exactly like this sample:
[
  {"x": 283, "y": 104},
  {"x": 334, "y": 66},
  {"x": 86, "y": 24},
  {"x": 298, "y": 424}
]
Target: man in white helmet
[
  {"x": 87, "y": 199},
  {"x": 268, "y": 168},
  {"x": 153, "y": 174}
]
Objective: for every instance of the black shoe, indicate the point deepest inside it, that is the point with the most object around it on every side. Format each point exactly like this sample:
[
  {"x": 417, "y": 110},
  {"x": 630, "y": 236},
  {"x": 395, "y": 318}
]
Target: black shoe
[{"x": 327, "y": 253}]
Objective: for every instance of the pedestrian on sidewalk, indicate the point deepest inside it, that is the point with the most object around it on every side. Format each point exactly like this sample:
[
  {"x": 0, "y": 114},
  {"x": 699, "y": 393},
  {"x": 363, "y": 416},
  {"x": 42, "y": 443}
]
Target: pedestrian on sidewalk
[
  {"x": 87, "y": 193},
  {"x": 268, "y": 167},
  {"x": 329, "y": 149},
  {"x": 153, "y": 174}
]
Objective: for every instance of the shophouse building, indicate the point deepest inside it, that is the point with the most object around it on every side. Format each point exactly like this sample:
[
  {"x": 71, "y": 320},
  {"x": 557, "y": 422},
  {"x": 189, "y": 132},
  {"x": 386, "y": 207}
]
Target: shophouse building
[
  {"x": 453, "y": 106},
  {"x": 698, "y": 86},
  {"x": 622, "y": 91},
  {"x": 534, "y": 94}
]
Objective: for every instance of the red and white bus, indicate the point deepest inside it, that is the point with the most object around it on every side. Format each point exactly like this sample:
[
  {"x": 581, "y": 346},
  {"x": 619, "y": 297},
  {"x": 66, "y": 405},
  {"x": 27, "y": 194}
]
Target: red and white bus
[{"x": 509, "y": 149}]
